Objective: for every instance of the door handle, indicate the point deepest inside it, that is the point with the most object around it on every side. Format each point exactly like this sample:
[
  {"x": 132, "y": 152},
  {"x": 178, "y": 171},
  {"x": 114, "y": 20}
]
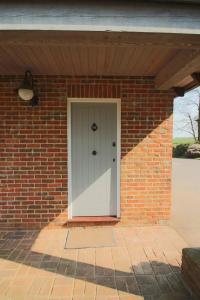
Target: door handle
[{"x": 94, "y": 152}]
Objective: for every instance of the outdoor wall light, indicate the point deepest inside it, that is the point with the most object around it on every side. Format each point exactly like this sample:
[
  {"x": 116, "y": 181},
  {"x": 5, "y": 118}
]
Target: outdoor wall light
[{"x": 26, "y": 89}]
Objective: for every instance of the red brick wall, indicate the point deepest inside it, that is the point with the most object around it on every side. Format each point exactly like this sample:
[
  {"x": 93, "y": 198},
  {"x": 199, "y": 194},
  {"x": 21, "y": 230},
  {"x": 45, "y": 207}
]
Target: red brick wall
[{"x": 33, "y": 149}]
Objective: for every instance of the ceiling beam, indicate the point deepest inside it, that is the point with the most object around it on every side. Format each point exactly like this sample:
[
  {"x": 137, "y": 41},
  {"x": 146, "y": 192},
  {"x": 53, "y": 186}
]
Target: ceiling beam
[
  {"x": 83, "y": 38},
  {"x": 183, "y": 64}
]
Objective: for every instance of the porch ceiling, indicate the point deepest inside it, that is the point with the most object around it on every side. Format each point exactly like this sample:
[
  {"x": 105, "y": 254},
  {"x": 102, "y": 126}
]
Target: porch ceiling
[
  {"x": 171, "y": 58},
  {"x": 84, "y": 60}
]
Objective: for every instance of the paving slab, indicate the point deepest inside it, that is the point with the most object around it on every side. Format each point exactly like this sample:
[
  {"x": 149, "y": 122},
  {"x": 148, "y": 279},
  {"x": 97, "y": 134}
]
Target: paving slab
[{"x": 143, "y": 265}]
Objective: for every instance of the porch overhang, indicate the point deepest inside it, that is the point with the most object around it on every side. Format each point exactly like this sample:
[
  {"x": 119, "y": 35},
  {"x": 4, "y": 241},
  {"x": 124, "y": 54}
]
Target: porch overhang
[{"x": 160, "y": 40}]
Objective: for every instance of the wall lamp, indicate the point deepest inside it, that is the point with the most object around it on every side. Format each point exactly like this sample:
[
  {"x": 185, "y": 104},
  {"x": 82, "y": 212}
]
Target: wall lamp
[{"x": 26, "y": 90}]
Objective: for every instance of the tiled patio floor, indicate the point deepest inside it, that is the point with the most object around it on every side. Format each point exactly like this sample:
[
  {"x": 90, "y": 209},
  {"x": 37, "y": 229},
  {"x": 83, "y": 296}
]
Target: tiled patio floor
[{"x": 145, "y": 264}]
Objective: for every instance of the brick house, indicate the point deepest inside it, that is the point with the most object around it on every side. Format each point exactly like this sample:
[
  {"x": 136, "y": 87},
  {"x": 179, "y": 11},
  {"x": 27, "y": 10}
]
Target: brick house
[{"x": 98, "y": 145}]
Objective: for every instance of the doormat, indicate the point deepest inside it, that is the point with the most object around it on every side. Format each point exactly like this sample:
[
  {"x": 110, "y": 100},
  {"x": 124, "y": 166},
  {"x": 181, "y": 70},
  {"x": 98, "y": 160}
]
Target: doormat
[{"x": 90, "y": 237}]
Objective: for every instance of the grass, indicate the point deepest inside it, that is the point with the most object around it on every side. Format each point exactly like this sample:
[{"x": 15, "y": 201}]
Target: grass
[{"x": 179, "y": 141}]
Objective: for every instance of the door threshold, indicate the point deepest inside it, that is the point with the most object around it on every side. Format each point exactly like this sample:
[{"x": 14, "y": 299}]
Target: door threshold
[{"x": 99, "y": 219}]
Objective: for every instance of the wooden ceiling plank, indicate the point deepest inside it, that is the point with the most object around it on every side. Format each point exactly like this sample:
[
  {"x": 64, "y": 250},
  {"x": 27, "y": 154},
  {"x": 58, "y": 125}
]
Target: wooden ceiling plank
[
  {"x": 84, "y": 64},
  {"x": 57, "y": 62},
  {"x": 145, "y": 60},
  {"x": 128, "y": 61},
  {"x": 92, "y": 61},
  {"x": 135, "y": 63},
  {"x": 75, "y": 59},
  {"x": 128, "y": 58},
  {"x": 64, "y": 61},
  {"x": 35, "y": 57},
  {"x": 108, "y": 60},
  {"x": 158, "y": 58},
  {"x": 16, "y": 59},
  {"x": 162, "y": 60},
  {"x": 101, "y": 52},
  {"x": 117, "y": 62}
]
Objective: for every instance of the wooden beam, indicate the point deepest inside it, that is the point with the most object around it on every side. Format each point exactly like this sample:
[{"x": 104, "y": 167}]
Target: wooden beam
[
  {"x": 183, "y": 64},
  {"x": 83, "y": 38}
]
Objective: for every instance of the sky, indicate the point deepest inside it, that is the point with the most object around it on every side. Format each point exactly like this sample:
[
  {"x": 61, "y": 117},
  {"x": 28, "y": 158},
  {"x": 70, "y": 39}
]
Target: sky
[{"x": 183, "y": 106}]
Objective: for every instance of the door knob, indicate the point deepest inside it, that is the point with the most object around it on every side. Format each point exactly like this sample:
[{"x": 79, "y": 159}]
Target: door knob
[{"x": 94, "y": 152}]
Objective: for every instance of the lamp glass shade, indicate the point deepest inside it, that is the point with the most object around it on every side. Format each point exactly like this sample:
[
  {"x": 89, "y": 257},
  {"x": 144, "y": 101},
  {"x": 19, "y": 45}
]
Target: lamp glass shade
[{"x": 25, "y": 94}]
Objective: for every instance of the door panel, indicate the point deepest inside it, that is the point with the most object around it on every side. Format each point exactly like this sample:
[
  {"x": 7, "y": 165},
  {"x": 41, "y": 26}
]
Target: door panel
[{"x": 94, "y": 175}]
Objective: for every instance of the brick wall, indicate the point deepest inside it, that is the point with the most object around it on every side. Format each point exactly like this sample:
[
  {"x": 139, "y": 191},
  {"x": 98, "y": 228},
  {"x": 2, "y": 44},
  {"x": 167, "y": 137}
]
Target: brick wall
[{"x": 33, "y": 149}]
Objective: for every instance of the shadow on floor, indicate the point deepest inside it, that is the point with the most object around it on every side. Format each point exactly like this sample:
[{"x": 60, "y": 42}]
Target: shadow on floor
[{"x": 160, "y": 280}]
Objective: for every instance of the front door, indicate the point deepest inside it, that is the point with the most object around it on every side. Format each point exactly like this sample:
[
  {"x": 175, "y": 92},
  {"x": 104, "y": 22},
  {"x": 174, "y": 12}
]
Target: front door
[{"x": 94, "y": 159}]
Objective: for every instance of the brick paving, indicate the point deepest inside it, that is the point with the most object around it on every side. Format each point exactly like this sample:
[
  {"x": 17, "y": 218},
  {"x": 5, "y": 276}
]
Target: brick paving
[{"x": 145, "y": 265}]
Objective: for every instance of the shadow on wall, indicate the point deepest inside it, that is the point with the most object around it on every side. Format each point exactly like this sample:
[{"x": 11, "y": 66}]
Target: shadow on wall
[{"x": 145, "y": 278}]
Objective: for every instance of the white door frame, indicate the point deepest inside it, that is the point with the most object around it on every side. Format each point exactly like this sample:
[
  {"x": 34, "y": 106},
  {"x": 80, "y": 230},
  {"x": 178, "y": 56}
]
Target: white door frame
[{"x": 69, "y": 137}]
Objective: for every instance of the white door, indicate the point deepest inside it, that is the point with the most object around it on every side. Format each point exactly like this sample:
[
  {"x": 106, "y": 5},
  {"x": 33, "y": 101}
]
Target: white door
[{"x": 94, "y": 159}]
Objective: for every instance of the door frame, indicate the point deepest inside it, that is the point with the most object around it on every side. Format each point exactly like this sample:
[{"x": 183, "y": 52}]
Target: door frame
[{"x": 69, "y": 145}]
